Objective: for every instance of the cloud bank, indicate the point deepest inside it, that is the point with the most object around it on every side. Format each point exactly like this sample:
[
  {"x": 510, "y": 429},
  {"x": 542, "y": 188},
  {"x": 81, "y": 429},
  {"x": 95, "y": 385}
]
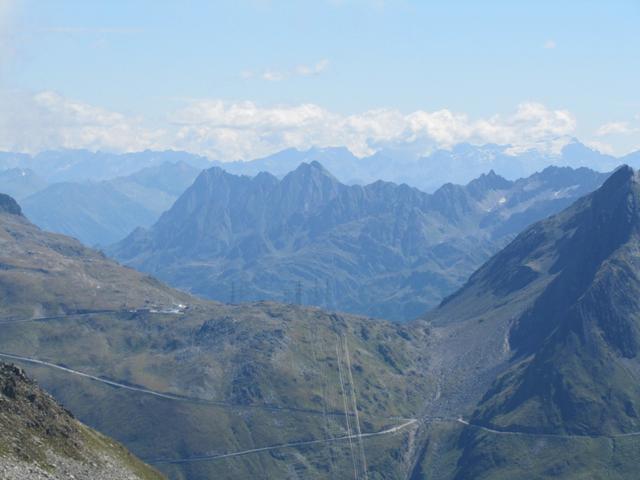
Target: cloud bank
[{"x": 244, "y": 130}]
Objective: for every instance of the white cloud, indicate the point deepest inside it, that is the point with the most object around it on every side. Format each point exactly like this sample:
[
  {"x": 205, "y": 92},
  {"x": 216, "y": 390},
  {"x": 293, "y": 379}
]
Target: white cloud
[
  {"x": 47, "y": 120},
  {"x": 615, "y": 128},
  {"x": 274, "y": 75},
  {"x": 244, "y": 130},
  {"x": 601, "y": 147},
  {"x": 550, "y": 44},
  {"x": 310, "y": 70}
]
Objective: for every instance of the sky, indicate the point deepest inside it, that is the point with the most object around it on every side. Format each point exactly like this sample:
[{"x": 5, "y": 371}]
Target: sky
[{"x": 245, "y": 78}]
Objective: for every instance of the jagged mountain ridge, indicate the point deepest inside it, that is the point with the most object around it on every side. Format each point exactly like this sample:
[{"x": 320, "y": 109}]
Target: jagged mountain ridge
[
  {"x": 383, "y": 249},
  {"x": 460, "y": 164},
  {"x": 20, "y": 182}
]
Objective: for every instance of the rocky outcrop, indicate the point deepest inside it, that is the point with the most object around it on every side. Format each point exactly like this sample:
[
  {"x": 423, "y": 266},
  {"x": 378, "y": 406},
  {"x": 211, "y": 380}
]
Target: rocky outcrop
[{"x": 39, "y": 439}]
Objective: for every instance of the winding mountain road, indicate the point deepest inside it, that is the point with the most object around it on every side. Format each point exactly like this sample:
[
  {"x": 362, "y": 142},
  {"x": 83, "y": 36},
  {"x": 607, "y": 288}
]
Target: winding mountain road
[
  {"x": 542, "y": 435},
  {"x": 206, "y": 458},
  {"x": 170, "y": 396}
]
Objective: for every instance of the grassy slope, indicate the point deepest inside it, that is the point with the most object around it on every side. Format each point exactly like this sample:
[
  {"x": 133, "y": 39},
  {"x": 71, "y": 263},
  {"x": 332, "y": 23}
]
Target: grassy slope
[
  {"x": 47, "y": 274},
  {"x": 265, "y": 353},
  {"x": 244, "y": 355}
]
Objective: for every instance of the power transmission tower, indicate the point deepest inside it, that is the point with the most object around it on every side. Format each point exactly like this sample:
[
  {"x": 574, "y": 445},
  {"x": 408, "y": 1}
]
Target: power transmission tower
[
  {"x": 327, "y": 294},
  {"x": 316, "y": 293},
  {"x": 299, "y": 292}
]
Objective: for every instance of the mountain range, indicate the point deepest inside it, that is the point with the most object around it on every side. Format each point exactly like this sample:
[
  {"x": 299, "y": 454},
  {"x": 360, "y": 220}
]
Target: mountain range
[
  {"x": 528, "y": 371},
  {"x": 83, "y": 165},
  {"x": 383, "y": 250},
  {"x": 460, "y": 164},
  {"x": 76, "y": 192}
]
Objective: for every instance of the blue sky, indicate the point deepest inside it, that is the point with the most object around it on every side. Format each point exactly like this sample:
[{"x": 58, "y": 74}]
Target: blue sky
[{"x": 169, "y": 70}]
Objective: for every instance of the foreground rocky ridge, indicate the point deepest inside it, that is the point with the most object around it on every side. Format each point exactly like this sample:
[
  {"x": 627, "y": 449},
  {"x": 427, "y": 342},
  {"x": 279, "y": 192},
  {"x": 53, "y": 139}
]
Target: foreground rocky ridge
[{"x": 41, "y": 440}]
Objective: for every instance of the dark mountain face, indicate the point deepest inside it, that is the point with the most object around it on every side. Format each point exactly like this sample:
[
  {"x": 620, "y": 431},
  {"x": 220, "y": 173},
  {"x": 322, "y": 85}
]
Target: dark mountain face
[
  {"x": 383, "y": 249},
  {"x": 9, "y": 205},
  {"x": 556, "y": 317}
]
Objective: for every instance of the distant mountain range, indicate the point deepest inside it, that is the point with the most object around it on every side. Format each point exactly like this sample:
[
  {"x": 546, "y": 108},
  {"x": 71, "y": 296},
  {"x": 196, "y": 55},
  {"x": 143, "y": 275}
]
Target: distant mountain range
[
  {"x": 99, "y": 212},
  {"x": 384, "y": 250},
  {"x": 460, "y": 165},
  {"x": 83, "y": 165},
  {"x": 98, "y": 198}
]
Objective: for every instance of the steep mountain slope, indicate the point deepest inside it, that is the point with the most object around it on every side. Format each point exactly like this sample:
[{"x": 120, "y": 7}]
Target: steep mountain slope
[
  {"x": 20, "y": 182},
  {"x": 100, "y": 213},
  {"x": 95, "y": 213},
  {"x": 83, "y": 165},
  {"x": 383, "y": 250},
  {"x": 44, "y": 274},
  {"x": 203, "y": 390},
  {"x": 41, "y": 440},
  {"x": 556, "y": 317}
]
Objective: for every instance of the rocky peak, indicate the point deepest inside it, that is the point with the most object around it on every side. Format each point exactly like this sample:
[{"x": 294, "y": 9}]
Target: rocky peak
[
  {"x": 9, "y": 205},
  {"x": 487, "y": 182},
  {"x": 614, "y": 207},
  {"x": 308, "y": 185}
]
